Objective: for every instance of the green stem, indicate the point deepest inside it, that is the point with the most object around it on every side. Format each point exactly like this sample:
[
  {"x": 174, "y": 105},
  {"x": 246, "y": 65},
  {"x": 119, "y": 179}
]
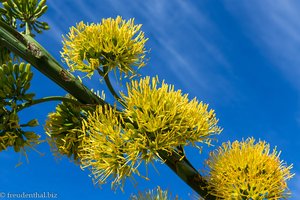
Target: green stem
[
  {"x": 27, "y": 29},
  {"x": 101, "y": 73},
  {"x": 184, "y": 169},
  {"x": 31, "y": 51},
  {"x": 104, "y": 74},
  {"x": 47, "y": 99}
]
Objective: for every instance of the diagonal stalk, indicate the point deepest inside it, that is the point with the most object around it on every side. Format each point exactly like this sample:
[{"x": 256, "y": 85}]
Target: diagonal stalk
[{"x": 31, "y": 51}]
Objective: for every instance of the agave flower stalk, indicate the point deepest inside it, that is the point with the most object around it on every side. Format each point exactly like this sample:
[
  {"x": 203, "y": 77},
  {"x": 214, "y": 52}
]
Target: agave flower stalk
[{"x": 31, "y": 51}]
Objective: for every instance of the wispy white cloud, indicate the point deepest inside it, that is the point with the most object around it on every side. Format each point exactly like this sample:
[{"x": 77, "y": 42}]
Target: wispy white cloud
[
  {"x": 180, "y": 36},
  {"x": 274, "y": 27},
  {"x": 184, "y": 46}
]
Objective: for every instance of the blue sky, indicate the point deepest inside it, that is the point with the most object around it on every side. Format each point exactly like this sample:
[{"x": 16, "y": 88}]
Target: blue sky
[{"x": 241, "y": 57}]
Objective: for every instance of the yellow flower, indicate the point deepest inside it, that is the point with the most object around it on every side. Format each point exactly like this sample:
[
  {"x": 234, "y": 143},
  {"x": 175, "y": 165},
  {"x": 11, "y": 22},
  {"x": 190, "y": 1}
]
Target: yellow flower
[
  {"x": 104, "y": 147},
  {"x": 11, "y": 134},
  {"x": 62, "y": 127},
  {"x": 114, "y": 43},
  {"x": 156, "y": 194},
  {"x": 166, "y": 119},
  {"x": 245, "y": 170}
]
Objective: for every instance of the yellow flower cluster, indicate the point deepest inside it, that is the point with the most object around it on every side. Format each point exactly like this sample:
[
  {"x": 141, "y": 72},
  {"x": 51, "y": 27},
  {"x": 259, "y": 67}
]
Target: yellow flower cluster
[
  {"x": 114, "y": 43},
  {"x": 105, "y": 149},
  {"x": 165, "y": 118},
  {"x": 156, "y": 194},
  {"x": 245, "y": 170},
  {"x": 62, "y": 127},
  {"x": 11, "y": 134},
  {"x": 155, "y": 119}
]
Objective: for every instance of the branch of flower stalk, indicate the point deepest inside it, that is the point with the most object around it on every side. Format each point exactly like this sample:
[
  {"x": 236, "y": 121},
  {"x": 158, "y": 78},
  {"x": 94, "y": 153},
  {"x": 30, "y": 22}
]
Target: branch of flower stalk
[
  {"x": 111, "y": 89},
  {"x": 47, "y": 99},
  {"x": 31, "y": 51},
  {"x": 104, "y": 74}
]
